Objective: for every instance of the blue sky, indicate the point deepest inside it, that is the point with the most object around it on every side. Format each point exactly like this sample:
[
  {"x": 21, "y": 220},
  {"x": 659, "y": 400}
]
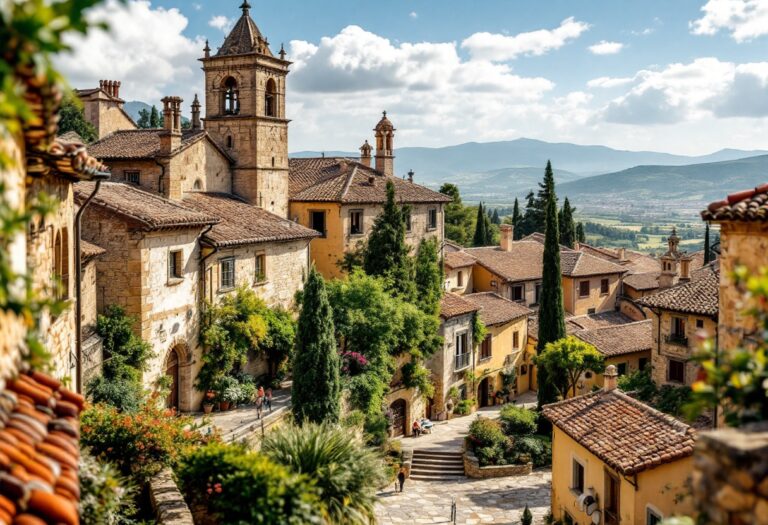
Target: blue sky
[{"x": 685, "y": 76}]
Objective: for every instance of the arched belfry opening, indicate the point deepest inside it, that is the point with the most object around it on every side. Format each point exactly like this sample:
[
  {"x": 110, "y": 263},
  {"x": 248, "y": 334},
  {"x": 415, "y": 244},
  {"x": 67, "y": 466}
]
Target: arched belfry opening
[
  {"x": 231, "y": 97},
  {"x": 270, "y": 98}
]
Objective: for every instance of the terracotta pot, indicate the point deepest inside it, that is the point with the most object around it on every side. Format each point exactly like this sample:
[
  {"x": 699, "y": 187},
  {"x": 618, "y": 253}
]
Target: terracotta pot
[
  {"x": 207, "y": 408},
  {"x": 224, "y": 405}
]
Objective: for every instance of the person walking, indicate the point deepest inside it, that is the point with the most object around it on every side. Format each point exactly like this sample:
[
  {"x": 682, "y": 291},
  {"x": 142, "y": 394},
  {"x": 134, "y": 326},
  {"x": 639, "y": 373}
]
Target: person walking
[
  {"x": 268, "y": 399},
  {"x": 259, "y": 401},
  {"x": 401, "y": 478}
]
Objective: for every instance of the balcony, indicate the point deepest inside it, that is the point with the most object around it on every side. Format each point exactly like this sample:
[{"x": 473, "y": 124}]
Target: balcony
[
  {"x": 676, "y": 339},
  {"x": 461, "y": 361}
]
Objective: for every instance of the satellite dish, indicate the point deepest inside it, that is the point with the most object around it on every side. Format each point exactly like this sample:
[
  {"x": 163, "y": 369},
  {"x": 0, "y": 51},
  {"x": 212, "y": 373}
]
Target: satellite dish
[
  {"x": 596, "y": 517},
  {"x": 580, "y": 501},
  {"x": 591, "y": 507}
]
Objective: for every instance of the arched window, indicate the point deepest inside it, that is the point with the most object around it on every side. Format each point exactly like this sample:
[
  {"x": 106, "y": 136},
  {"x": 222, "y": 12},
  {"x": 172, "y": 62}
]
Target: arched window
[
  {"x": 198, "y": 184},
  {"x": 231, "y": 99},
  {"x": 270, "y": 99}
]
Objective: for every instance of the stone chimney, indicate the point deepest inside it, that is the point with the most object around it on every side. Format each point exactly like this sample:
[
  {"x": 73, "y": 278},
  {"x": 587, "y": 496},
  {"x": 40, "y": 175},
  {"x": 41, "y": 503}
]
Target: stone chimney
[
  {"x": 410, "y": 176},
  {"x": 685, "y": 269},
  {"x": 622, "y": 254},
  {"x": 170, "y": 137},
  {"x": 110, "y": 87},
  {"x": 577, "y": 246},
  {"x": 506, "y": 237},
  {"x": 196, "y": 125},
  {"x": 610, "y": 378},
  {"x": 365, "y": 154}
]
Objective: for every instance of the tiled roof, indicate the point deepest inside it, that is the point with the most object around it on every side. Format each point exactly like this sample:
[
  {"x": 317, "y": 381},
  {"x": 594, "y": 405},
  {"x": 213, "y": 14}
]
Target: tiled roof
[
  {"x": 695, "y": 297},
  {"x": 66, "y": 158},
  {"x": 748, "y": 205},
  {"x": 89, "y": 250},
  {"x": 643, "y": 281},
  {"x": 580, "y": 264},
  {"x": 332, "y": 179},
  {"x": 39, "y": 447},
  {"x": 626, "y": 434},
  {"x": 601, "y": 320},
  {"x": 459, "y": 259},
  {"x": 243, "y": 223},
  {"x": 142, "y": 144},
  {"x": 244, "y": 38},
  {"x": 620, "y": 339},
  {"x": 148, "y": 210},
  {"x": 495, "y": 310},
  {"x": 571, "y": 327},
  {"x": 453, "y": 305}
]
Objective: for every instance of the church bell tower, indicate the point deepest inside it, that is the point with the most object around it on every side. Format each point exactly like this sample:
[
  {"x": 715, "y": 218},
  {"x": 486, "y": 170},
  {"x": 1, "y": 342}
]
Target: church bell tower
[{"x": 245, "y": 112}]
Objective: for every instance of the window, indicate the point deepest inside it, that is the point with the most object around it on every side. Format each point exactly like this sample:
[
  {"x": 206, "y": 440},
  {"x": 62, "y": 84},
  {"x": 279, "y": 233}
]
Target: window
[
  {"x": 577, "y": 480},
  {"x": 643, "y": 362},
  {"x": 523, "y": 370},
  {"x": 261, "y": 268},
  {"x": 584, "y": 289},
  {"x": 317, "y": 221},
  {"x": 518, "y": 292},
  {"x": 198, "y": 185},
  {"x": 652, "y": 517},
  {"x": 176, "y": 264},
  {"x": 231, "y": 98},
  {"x": 699, "y": 324},
  {"x": 227, "y": 273},
  {"x": 270, "y": 99},
  {"x": 604, "y": 287},
  {"x": 677, "y": 333},
  {"x": 461, "y": 355},
  {"x": 516, "y": 340},
  {"x": 621, "y": 369},
  {"x": 537, "y": 293},
  {"x": 460, "y": 279},
  {"x": 591, "y": 311},
  {"x": 676, "y": 371},
  {"x": 133, "y": 177},
  {"x": 408, "y": 226},
  {"x": 612, "y": 491},
  {"x": 432, "y": 223},
  {"x": 356, "y": 222},
  {"x": 486, "y": 347},
  {"x": 230, "y": 142}
]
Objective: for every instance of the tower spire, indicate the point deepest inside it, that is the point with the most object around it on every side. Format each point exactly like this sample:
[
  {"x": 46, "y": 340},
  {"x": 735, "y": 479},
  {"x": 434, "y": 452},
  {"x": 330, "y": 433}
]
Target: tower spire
[{"x": 246, "y": 7}]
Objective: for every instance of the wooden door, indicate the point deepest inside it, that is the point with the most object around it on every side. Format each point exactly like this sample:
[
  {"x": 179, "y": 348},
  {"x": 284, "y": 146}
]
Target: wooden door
[
  {"x": 399, "y": 422},
  {"x": 172, "y": 370},
  {"x": 482, "y": 393}
]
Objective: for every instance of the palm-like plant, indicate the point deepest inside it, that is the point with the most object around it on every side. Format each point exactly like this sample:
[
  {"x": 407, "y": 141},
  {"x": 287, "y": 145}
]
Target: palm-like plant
[{"x": 344, "y": 469}]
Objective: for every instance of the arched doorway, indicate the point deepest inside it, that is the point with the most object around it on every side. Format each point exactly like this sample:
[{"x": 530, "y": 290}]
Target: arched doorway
[
  {"x": 172, "y": 371},
  {"x": 483, "y": 392},
  {"x": 399, "y": 421}
]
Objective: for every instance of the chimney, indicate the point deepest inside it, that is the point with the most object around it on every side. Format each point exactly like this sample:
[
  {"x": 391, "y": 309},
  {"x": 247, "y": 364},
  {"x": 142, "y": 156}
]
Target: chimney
[
  {"x": 506, "y": 237},
  {"x": 117, "y": 89},
  {"x": 685, "y": 269},
  {"x": 170, "y": 137},
  {"x": 410, "y": 176},
  {"x": 622, "y": 254},
  {"x": 196, "y": 114},
  {"x": 365, "y": 154},
  {"x": 577, "y": 246},
  {"x": 610, "y": 378}
]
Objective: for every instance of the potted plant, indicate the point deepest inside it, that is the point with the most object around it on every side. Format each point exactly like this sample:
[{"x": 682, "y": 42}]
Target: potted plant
[
  {"x": 229, "y": 392},
  {"x": 210, "y": 397}
]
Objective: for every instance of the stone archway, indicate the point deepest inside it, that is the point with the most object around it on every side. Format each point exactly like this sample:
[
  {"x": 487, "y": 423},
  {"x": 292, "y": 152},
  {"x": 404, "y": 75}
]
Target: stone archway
[
  {"x": 172, "y": 371},
  {"x": 178, "y": 367},
  {"x": 483, "y": 392}
]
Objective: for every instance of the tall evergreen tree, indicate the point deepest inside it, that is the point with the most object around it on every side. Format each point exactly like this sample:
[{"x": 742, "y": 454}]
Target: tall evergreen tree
[
  {"x": 429, "y": 277},
  {"x": 495, "y": 219},
  {"x": 316, "y": 392},
  {"x": 143, "y": 121},
  {"x": 707, "y": 247},
  {"x": 481, "y": 233},
  {"x": 517, "y": 222},
  {"x": 155, "y": 118},
  {"x": 567, "y": 226},
  {"x": 551, "y": 313},
  {"x": 528, "y": 222},
  {"x": 580, "y": 235},
  {"x": 539, "y": 209},
  {"x": 386, "y": 254}
]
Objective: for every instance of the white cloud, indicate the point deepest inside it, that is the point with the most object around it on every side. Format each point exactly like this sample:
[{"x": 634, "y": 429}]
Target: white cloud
[
  {"x": 145, "y": 50},
  {"x": 499, "y": 48},
  {"x": 609, "y": 82},
  {"x": 606, "y": 48},
  {"x": 197, "y": 6},
  {"x": 413, "y": 14},
  {"x": 222, "y": 23},
  {"x": 745, "y": 19},
  {"x": 643, "y": 32}
]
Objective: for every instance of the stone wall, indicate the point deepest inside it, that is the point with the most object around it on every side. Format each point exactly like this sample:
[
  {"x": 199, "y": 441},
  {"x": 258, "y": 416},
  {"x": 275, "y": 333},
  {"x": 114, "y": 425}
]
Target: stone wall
[
  {"x": 106, "y": 114},
  {"x": 442, "y": 365},
  {"x": 730, "y": 478},
  {"x": 167, "y": 502},
  {"x": 663, "y": 351},
  {"x": 472, "y": 468}
]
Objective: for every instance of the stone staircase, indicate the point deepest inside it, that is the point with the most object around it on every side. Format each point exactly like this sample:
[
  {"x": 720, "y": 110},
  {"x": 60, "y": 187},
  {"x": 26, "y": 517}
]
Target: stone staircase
[{"x": 436, "y": 465}]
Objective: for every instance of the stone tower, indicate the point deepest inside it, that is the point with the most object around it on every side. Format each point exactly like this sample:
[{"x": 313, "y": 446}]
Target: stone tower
[
  {"x": 385, "y": 150},
  {"x": 245, "y": 113},
  {"x": 675, "y": 265}
]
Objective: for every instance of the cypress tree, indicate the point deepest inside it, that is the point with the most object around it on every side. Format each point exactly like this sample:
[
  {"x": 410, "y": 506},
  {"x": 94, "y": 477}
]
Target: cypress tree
[
  {"x": 546, "y": 186},
  {"x": 528, "y": 223},
  {"x": 429, "y": 277},
  {"x": 580, "y": 236},
  {"x": 155, "y": 118},
  {"x": 568, "y": 226},
  {"x": 316, "y": 392},
  {"x": 386, "y": 254},
  {"x": 481, "y": 233},
  {"x": 707, "y": 247},
  {"x": 495, "y": 219},
  {"x": 551, "y": 313},
  {"x": 517, "y": 222}
]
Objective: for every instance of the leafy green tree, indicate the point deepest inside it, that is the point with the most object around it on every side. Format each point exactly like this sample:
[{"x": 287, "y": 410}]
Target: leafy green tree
[
  {"x": 279, "y": 341},
  {"x": 346, "y": 472},
  {"x": 72, "y": 118},
  {"x": 429, "y": 277},
  {"x": 580, "y": 235},
  {"x": 707, "y": 247},
  {"x": 386, "y": 254},
  {"x": 316, "y": 392},
  {"x": 143, "y": 121},
  {"x": 551, "y": 312},
  {"x": 567, "y": 225},
  {"x": 565, "y": 360},
  {"x": 457, "y": 221}
]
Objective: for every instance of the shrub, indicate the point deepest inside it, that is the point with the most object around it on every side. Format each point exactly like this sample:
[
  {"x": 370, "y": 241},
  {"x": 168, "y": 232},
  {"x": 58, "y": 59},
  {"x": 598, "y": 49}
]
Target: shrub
[
  {"x": 355, "y": 418},
  {"x": 639, "y": 382},
  {"x": 490, "y": 455},
  {"x": 122, "y": 393},
  {"x": 376, "y": 430},
  {"x": 537, "y": 448},
  {"x": 518, "y": 420},
  {"x": 241, "y": 486},
  {"x": 247, "y": 393},
  {"x": 527, "y": 518},
  {"x": 346, "y": 471},
  {"x": 484, "y": 432},
  {"x": 106, "y": 498},
  {"x": 140, "y": 443},
  {"x": 672, "y": 398},
  {"x": 464, "y": 407}
]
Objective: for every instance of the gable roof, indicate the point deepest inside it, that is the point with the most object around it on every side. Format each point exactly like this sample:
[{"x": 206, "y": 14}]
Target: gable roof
[
  {"x": 495, "y": 310},
  {"x": 642, "y": 281},
  {"x": 145, "y": 144},
  {"x": 620, "y": 339},
  {"x": 747, "y": 205},
  {"x": 626, "y": 434},
  {"x": 580, "y": 264},
  {"x": 336, "y": 179},
  {"x": 149, "y": 211},
  {"x": 453, "y": 305},
  {"x": 700, "y": 296},
  {"x": 458, "y": 259},
  {"x": 242, "y": 223},
  {"x": 89, "y": 250}
]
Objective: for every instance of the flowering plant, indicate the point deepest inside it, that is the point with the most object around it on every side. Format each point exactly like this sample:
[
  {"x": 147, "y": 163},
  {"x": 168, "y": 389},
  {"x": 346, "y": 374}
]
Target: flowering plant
[{"x": 353, "y": 363}]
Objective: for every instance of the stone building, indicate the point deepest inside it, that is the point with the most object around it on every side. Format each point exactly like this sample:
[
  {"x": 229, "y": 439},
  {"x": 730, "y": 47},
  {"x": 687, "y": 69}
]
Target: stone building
[
  {"x": 104, "y": 108},
  {"x": 457, "y": 267}
]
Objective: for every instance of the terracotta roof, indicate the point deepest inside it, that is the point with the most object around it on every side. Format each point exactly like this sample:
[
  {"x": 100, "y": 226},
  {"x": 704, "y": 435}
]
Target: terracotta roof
[
  {"x": 89, "y": 250},
  {"x": 601, "y": 320},
  {"x": 148, "y": 210},
  {"x": 626, "y": 434},
  {"x": 144, "y": 144},
  {"x": 603, "y": 253},
  {"x": 453, "y": 305},
  {"x": 495, "y": 310},
  {"x": 243, "y": 223},
  {"x": 620, "y": 339},
  {"x": 748, "y": 205},
  {"x": 571, "y": 327},
  {"x": 642, "y": 281},
  {"x": 335, "y": 179},
  {"x": 458, "y": 259},
  {"x": 580, "y": 264},
  {"x": 66, "y": 158},
  {"x": 245, "y": 37},
  {"x": 695, "y": 297},
  {"x": 39, "y": 447}
]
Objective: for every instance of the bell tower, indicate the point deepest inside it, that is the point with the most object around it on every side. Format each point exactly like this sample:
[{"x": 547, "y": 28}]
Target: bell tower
[
  {"x": 245, "y": 112},
  {"x": 385, "y": 150}
]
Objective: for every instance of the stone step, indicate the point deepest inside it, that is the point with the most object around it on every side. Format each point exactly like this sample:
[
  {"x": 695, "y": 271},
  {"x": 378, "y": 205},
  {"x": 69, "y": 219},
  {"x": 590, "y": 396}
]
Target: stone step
[
  {"x": 430, "y": 463},
  {"x": 418, "y": 477},
  {"x": 436, "y": 454},
  {"x": 437, "y": 472}
]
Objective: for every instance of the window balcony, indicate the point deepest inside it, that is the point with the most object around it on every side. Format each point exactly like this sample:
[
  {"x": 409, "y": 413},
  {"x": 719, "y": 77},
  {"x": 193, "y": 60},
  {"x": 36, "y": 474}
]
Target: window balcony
[
  {"x": 461, "y": 361},
  {"x": 676, "y": 339}
]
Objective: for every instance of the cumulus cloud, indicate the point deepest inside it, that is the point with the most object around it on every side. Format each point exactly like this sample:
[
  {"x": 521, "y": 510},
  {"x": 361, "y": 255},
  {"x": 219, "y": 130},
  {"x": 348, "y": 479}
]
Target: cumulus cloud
[
  {"x": 413, "y": 14},
  {"x": 606, "y": 48},
  {"x": 499, "y": 48},
  {"x": 145, "y": 49},
  {"x": 222, "y": 23},
  {"x": 609, "y": 82},
  {"x": 744, "y": 19}
]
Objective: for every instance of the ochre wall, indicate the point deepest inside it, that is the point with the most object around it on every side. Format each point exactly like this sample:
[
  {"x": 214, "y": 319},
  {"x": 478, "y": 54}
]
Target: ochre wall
[
  {"x": 324, "y": 251},
  {"x": 596, "y": 300},
  {"x": 503, "y": 353}
]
